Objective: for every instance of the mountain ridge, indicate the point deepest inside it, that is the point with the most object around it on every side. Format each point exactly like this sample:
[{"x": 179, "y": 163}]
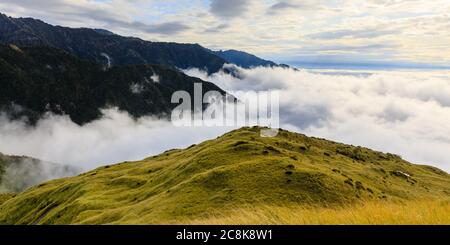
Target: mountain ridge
[
  {"x": 236, "y": 169},
  {"x": 94, "y": 44},
  {"x": 37, "y": 80},
  {"x": 89, "y": 44},
  {"x": 243, "y": 59}
]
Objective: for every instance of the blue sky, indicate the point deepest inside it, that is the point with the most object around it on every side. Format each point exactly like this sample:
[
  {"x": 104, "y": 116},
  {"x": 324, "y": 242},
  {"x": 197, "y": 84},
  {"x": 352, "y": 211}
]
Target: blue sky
[{"x": 292, "y": 31}]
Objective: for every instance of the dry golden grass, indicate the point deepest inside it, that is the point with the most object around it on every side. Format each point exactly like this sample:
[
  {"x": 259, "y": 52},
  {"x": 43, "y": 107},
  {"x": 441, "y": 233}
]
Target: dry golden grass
[{"x": 371, "y": 213}]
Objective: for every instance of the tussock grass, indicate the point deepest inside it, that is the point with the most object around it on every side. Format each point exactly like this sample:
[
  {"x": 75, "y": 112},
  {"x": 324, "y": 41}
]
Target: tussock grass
[
  {"x": 370, "y": 213},
  {"x": 240, "y": 169},
  {"x": 5, "y": 197}
]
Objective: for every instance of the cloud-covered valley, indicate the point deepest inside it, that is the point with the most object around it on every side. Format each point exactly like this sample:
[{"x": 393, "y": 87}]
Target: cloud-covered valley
[
  {"x": 114, "y": 138},
  {"x": 402, "y": 112},
  {"x": 406, "y": 113}
]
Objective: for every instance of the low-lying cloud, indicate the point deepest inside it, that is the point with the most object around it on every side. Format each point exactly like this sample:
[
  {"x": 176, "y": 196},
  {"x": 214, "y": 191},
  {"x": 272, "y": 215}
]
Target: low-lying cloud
[
  {"x": 19, "y": 174},
  {"x": 114, "y": 138},
  {"x": 403, "y": 112},
  {"x": 406, "y": 113}
]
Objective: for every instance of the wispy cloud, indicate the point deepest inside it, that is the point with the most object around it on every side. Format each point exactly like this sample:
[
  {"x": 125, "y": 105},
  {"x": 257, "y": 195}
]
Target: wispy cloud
[
  {"x": 419, "y": 30},
  {"x": 83, "y": 13},
  {"x": 281, "y": 7},
  {"x": 229, "y": 8},
  {"x": 347, "y": 33},
  {"x": 165, "y": 28}
]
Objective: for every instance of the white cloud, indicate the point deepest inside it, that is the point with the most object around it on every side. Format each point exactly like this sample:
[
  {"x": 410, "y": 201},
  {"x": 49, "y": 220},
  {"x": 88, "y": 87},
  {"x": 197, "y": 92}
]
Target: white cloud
[
  {"x": 23, "y": 173},
  {"x": 274, "y": 29},
  {"x": 95, "y": 14},
  {"x": 400, "y": 112},
  {"x": 114, "y": 138},
  {"x": 406, "y": 113},
  {"x": 155, "y": 78}
]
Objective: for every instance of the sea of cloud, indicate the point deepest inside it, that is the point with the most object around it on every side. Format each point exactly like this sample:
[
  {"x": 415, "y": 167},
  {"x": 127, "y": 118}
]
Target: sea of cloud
[
  {"x": 402, "y": 112},
  {"x": 114, "y": 138}
]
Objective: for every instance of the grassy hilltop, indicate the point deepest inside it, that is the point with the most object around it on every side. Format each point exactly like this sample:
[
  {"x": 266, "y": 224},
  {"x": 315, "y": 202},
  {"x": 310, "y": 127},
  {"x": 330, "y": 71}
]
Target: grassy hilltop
[{"x": 242, "y": 178}]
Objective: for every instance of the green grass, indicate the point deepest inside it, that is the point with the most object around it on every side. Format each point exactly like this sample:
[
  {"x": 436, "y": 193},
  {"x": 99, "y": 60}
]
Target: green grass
[
  {"x": 5, "y": 197},
  {"x": 239, "y": 169}
]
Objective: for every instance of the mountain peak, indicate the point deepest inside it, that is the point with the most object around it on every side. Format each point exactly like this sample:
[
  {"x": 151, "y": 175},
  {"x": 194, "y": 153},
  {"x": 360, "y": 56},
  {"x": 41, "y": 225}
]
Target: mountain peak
[{"x": 104, "y": 32}]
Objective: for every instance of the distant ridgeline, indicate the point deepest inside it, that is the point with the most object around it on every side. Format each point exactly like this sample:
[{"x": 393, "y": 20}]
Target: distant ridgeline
[
  {"x": 19, "y": 172},
  {"x": 78, "y": 71},
  {"x": 243, "y": 59},
  {"x": 104, "y": 47},
  {"x": 36, "y": 80}
]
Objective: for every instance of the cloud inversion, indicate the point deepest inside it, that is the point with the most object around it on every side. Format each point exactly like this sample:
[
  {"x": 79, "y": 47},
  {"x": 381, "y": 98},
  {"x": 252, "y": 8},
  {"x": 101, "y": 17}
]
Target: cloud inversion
[{"x": 406, "y": 113}]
